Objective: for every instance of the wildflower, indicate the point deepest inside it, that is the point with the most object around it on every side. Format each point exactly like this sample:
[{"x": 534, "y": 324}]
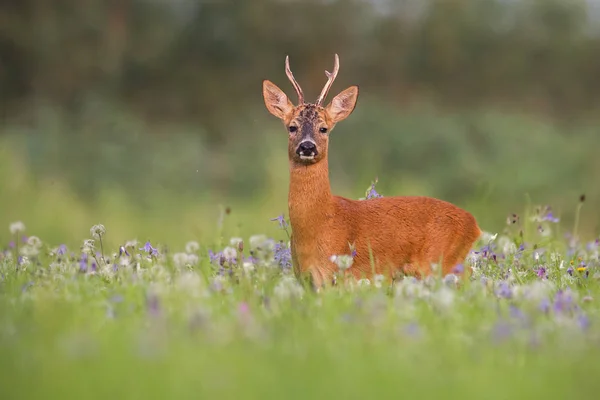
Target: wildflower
[
  {"x": 23, "y": 261},
  {"x": 378, "y": 280},
  {"x": 283, "y": 256},
  {"x": 583, "y": 321},
  {"x": 281, "y": 220},
  {"x": 503, "y": 290},
  {"x": 152, "y": 304},
  {"x": 230, "y": 254},
  {"x": 517, "y": 313},
  {"x": 83, "y": 262},
  {"x": 458, "y": 269},
  {"x": 288, "y": 287},
  {"x": 235, "y": 241},
  {"x": 184, "y": 259},
  {"x": 412, "y": 329},
  {"x": 62, "y": 250},
  {"x": 123, "y": 250},
  {"x": 215, "y": 257},
  {"x": 501, "y": 331},
  {"x": 16, "y": 228},
  {"x": 192, "y": 247},
  {"x": 149, "y": 249},
  {"x": 342, "y": 261},
  {"x": 450, "y": 279},
  {"x": 34, "y": 241},
  {"x": 544, "y": 305},
  {"x": 371, "y": 193},
  {"x": 541, "y": 272},
  {"x": 97, "y": 231},
  {"x": 563, "y": 301},
  {"x": 88, "y": 246}
]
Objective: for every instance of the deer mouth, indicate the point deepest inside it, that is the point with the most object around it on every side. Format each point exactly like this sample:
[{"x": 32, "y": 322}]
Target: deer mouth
[{"x": 307, "y": 158}]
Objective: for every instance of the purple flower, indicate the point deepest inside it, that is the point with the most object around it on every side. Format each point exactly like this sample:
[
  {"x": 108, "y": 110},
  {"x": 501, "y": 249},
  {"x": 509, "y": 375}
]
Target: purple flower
[
  {"x": 153, "y": 304},
  {"x": 83, "y": 263},
  {"x": 502, "y": 330},
  {"x": 541, "y": 272},
  {"x": 371, "y": 192},
  {"x": 281, "y": 220},
  {"x": 544, "y": 305},
  {"x": 504, "y": 290},
  {"x": 549, "y": 216},
  {"x": 458, "y": 269},
  {"x": 518, "y": 314},
  {"x": 149, "y": 249},
  {"x": 282, "y": 255},
  {"x": 62, "y": 250},
  {"x": 563, "y": 301},
  {"x": 11, "y": 244},
  {"x": 123, "y": 250},
  {"x": 412, "y": 329},
  {"x": 583, "y": 321},
  {"x": 570, "y": 271}
]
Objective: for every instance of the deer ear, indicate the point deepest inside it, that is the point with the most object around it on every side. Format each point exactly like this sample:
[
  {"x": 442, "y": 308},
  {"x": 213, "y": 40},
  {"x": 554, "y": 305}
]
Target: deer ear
[
  {"x": 343, "y": 104},
  {"x": 276, "y": 101}
]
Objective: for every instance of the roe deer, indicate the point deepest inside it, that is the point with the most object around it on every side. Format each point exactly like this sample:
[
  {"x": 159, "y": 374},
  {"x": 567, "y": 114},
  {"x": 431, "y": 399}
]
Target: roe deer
[{"x": 388, "y": 235}]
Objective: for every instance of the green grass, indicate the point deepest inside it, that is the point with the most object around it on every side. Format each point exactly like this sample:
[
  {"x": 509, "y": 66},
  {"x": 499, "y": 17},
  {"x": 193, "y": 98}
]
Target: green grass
[{"x": 171, "y": 326}]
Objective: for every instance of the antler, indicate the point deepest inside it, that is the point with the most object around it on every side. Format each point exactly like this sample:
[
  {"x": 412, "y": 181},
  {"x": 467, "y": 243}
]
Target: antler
[
  {"x": 330, "y": 78},
  {"x": 290, "y": 76}
]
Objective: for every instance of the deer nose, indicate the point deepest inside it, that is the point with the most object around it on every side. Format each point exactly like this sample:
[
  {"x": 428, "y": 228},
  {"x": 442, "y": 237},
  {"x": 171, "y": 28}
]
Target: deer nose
[{"x": 307, "y": 149}]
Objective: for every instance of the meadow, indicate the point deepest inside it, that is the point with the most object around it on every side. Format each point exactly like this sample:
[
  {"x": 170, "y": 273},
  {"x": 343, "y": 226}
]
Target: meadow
[{"x": 227, "y": 319}]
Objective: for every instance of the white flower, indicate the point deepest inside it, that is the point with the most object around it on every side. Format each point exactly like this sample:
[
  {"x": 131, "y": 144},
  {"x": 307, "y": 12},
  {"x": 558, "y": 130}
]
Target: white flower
[
  {"x": 444, "y": 298},
  {"x": 97, "y": 231},
  {"x": 363, "y": 282},
  {"x": 24, "y": 261},
  {"x": 34, "y": 241},
  {"x": 343, "y": 261},
  {"x": 248, "y": 267},
  {"x": 131, "y": 243},
  {"x": 261, "y": 242},
  {"x": 235, "y": 241},
  {"x": 378, "y": 280},
  {"x": 229, "y": 253},
  {"x": 29, "y": 251},
  {"x": 183, "y": 259},
  {"x": 288, "y": 287},
  {"x": 16, "y": 227},
  {"x": 192, "y": 247},
  {"x": 88, "y": 246}
]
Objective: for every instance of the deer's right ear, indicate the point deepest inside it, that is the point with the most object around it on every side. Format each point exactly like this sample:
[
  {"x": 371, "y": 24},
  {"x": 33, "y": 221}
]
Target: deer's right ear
[{"x": 276, "y": 101}]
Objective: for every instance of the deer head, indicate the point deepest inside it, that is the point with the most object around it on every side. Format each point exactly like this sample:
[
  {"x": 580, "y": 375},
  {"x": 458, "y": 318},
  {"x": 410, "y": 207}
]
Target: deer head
[{"x": 309, "y": 124}]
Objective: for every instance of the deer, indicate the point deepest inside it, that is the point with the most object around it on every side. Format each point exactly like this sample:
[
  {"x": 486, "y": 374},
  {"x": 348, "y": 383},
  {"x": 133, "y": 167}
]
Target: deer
[{"x": 389, "y": 236}]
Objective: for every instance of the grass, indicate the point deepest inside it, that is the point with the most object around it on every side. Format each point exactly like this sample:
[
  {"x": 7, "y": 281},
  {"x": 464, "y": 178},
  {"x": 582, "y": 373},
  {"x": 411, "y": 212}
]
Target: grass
[{"x": 229, "y": 320}]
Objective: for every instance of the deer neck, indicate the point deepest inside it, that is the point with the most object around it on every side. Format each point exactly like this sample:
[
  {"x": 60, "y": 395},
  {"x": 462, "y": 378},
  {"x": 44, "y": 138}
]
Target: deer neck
[{"x": 310, "y": 199}]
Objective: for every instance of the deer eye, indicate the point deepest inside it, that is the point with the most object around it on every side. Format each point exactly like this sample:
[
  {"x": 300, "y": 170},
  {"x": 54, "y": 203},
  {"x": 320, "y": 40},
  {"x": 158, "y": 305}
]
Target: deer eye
[
  {"x": 323, "y": 130},
  {"x": 292, "y": 128}
]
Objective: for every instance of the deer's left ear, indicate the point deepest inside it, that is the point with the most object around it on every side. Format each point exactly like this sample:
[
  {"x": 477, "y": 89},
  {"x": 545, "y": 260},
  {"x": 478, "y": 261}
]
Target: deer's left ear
[{"x": 342, "y": 105}]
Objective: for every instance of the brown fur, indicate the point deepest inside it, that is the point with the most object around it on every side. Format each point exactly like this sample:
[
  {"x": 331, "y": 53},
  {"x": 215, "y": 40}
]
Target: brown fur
[{"x": 389, "y": 234}]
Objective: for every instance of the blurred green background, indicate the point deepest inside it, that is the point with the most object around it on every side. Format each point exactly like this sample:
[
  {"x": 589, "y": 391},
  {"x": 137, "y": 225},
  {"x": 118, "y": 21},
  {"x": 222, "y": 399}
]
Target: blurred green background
[{"x": 147, "y": 115}]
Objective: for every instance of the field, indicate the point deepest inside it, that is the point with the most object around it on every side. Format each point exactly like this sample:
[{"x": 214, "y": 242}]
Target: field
[{"x": 228, "y": 320}]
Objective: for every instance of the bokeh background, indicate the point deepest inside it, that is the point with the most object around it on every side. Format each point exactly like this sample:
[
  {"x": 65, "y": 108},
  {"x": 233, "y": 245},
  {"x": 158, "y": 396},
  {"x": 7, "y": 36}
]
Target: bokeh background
[{"x": 147, "y": 115}]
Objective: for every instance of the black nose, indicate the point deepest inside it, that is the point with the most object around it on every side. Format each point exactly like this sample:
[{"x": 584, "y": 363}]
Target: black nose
[{"x": 307, "y": 149}]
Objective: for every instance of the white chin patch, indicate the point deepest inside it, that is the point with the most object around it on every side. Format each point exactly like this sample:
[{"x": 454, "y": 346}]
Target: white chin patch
[{"x": 307, "y": 157}]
